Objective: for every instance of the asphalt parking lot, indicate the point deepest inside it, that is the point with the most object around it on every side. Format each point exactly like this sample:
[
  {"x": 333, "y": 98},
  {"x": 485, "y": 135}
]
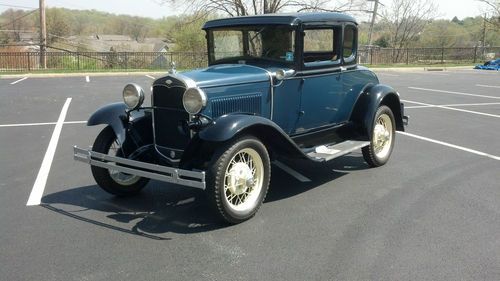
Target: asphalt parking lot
[{"x": 431, "y": 213}]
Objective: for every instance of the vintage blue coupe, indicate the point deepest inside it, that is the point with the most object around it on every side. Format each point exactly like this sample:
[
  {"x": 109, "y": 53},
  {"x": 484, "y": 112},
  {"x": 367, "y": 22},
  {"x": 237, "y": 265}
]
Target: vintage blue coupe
[{"x": 277, "y": 85}]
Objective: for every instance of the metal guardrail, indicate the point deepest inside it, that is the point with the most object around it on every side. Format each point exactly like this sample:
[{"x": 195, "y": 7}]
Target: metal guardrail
[
  {"x": 147, "y": 170},
  {"x": 120, "y": 61}
]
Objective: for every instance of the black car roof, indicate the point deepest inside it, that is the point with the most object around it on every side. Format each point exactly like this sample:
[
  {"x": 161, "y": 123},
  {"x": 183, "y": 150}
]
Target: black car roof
[{"x": 281, "y": 19}]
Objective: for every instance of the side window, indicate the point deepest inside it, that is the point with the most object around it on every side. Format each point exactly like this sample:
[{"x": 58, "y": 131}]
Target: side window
[
  {"x": 320, "y": 47},
  {"x": 349, "y": 45}
]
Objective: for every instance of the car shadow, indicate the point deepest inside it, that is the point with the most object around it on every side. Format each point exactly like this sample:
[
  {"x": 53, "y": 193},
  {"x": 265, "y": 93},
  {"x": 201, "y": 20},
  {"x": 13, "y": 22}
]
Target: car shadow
[
  {"x": 283, "y": 185},
  {"x": 164, "y": 208},
  {"x": 156, "y": 210}
]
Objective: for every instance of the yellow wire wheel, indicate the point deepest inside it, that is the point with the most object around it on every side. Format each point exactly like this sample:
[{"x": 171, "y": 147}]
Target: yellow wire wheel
[
  {"x": 382, "y": 138},
  {"x": 239, "y": 179}
]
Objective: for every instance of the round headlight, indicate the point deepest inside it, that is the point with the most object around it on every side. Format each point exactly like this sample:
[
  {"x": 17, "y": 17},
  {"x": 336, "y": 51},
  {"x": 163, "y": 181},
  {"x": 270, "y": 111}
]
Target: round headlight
[
  {"x": 194, "y": 100},
  {"x": 133, "y": 96}
]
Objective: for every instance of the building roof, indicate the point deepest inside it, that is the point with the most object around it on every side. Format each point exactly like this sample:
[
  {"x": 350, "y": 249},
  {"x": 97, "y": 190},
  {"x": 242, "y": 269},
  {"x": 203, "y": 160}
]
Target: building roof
[{"x": 293, "y": 19}]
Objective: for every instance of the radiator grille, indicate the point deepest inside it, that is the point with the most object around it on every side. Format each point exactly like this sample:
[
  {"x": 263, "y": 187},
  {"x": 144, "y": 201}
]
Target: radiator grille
[
  {"x": 242, "y": 104},
  {"x": 169, "y": 117}
]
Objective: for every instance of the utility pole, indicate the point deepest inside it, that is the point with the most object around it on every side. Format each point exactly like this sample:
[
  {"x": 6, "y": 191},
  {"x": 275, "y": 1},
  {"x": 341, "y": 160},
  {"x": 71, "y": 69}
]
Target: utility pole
[
  {"x": 374, "y": 15},
  {"x": 43, "y": 35},
  {"x": 484, "y": 32}
]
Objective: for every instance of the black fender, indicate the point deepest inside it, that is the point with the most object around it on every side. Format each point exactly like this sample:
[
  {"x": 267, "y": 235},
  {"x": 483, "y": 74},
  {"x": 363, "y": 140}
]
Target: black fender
[
  {"x": 115, "y": 115},
  {"x": 229, "y": 126},
  {"x": 369, "y": 101}
]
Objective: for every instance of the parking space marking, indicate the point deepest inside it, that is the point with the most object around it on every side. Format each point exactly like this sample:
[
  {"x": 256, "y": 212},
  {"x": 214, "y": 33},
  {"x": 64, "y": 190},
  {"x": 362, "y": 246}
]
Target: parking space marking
[
  {"x": 437, "y": 74},
  {"x": 474, "y": 71},
  {"x": 40, "y": 124},
  {"x": 488, "y": 86},
  {"x": 291, "y": 171},
  {"x": 452, "y": 92},
  {"x": 20, "y": 80},
  {"x": 149, "y": 76},
  {"x": 87, "y": 78},
  {"x": 387, "y": 74},
  {"x": 453, "y": 105},
  {"x": 451, "y": 145},
  {"x": 452, "y": 108},
  {"x": 41, "y": 179}
]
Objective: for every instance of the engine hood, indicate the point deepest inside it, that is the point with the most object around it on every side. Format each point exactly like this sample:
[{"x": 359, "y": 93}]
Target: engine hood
[{"x": 227, "y": 74}]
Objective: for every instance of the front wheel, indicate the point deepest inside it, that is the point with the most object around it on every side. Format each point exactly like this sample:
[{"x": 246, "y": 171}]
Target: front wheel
[
  {"x": 239, "y": 179},
  {"x": 382, "y": 142},
  {"x": 112, "y": 181}
]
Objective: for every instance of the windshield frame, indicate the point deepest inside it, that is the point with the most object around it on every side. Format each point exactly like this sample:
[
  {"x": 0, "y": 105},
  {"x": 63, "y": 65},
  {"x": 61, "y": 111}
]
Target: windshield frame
[{"x": 249, "y": 59}]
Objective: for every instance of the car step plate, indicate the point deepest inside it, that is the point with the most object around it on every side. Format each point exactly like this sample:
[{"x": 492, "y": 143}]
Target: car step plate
[{"x": 329, "y": 152}]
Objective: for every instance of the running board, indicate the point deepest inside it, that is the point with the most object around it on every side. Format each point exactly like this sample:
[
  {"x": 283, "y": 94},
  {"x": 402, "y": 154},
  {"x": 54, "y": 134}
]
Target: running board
[{"x": 329, "y": 152}]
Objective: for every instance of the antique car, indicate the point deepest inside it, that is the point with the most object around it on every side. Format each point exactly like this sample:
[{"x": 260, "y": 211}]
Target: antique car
[{"x": 277, "y": 86}]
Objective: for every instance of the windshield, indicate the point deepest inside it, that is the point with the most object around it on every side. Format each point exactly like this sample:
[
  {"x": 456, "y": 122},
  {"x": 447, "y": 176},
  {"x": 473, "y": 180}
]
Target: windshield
[{"x": 248, "y": 43}]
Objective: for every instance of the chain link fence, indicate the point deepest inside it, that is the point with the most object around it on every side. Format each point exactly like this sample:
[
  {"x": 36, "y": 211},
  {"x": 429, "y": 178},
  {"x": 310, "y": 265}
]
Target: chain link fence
[{"x": 129, "y": 61}]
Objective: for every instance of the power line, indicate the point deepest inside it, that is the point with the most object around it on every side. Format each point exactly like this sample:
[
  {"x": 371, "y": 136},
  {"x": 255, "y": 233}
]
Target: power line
[
  {"x": 17, "y": 30},
  {"x": 16, "y": 6},
  {"x": 18, "y": 18}
]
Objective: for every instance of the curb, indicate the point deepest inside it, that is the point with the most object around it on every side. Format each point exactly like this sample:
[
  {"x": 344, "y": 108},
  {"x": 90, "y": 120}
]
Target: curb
[
  {"x": 426, "y": 68},
  {"x": 96, "y": 74}
]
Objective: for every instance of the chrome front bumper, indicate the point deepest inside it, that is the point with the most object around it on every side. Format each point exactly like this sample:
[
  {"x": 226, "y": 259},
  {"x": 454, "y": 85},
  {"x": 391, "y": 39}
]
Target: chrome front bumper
[{"x": 147, "y": 170}]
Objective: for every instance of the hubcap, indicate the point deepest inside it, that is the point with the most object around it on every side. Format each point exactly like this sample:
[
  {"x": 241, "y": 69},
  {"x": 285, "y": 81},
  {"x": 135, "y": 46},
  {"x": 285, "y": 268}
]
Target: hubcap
[
  {"x": 243, "y": 180},
  {"x": 119, "y": 177},
  {"x": 382, "y": 136}
]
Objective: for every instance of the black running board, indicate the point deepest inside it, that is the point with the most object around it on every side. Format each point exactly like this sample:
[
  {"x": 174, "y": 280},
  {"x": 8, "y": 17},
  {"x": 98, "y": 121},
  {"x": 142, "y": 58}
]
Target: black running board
[{"x": 329, "y": 152}]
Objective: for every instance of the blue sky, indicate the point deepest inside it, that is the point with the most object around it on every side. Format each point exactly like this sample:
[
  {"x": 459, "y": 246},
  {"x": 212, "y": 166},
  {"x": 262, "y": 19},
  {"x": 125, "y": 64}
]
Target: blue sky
[{"x": 151, "y": 8}]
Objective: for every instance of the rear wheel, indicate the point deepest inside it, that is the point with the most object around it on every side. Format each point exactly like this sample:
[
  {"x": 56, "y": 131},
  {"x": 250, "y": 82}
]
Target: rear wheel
[
  {"x": 112, "y": 181},
  {"x": 239, "y": 179},
  {"x": 383, "y": 134}
]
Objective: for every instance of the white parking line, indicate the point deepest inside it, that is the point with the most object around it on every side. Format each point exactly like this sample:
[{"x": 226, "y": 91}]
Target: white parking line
[
  {"x": 451, "y": 145},
  {"x": 149, "y": 76},
  {"x": 40, "y": 124},
  {"x": 41, "y": 179},
  {"x": 454, "y": 93},
  {"x": 291, "y": 171},
  {"x": 17, "y": 81},
  {"x": 453, "y": 105},
  {"x": 488, "y": 86},
  {"x": 438, "y": 74},
  {"x": 455, "y": 109},
  {"x": 387, "y": 74},
  {"x": 87, "y": 78}
]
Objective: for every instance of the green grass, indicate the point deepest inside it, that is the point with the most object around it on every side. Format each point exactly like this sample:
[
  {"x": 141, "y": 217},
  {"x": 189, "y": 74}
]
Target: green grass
[
  {"x": 60, "y": 71},
  {"x": 57, "y": 71}
]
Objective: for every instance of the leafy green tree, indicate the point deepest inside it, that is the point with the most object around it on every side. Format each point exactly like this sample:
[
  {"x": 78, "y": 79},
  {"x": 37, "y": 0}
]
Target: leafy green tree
[
  {"x": 58, "y": 24},
  {"x": 382, "y": 41},
  {"x": 443, "y": 33},
  {"x": 188, "y": 35}
]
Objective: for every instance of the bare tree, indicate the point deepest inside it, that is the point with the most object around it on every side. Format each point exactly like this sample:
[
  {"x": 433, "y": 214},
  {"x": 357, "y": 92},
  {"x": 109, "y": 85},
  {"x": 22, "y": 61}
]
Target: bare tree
[
  {"x": 493, "y": 7},
  {"x": 254, "y": 7},
  {"x": 406, "y": 19}
]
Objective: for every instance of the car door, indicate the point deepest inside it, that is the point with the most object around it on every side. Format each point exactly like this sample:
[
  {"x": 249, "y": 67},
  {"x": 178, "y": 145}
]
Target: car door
[
  {"x": 321, "y": 92},
  {"x": 353, "y": 80}
]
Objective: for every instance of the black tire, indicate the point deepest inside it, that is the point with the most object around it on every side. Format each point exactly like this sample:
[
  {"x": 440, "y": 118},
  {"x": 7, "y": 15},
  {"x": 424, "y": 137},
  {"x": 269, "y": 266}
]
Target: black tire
[
  {"x": 371, "y": 153},
  {"x": 102, "y": 176},
  {"x": 221, "y": 179}
]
